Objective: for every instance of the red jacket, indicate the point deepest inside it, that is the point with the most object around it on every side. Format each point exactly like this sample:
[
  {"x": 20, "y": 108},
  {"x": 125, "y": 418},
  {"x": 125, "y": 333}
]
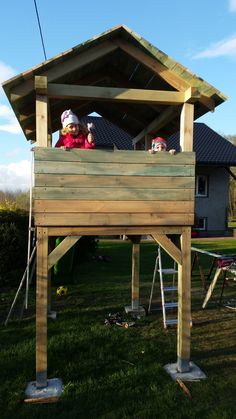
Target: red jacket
[{"x": 74, "y": 142}]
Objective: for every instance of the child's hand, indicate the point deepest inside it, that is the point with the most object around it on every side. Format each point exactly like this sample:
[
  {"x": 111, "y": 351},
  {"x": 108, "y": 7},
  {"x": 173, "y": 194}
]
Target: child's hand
[
  {"x": 172, "y": 151},
  {"x": 90, "y": 138}
]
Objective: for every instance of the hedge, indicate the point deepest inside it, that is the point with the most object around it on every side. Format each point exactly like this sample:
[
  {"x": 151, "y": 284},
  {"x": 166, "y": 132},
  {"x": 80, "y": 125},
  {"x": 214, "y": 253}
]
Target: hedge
[{"x": 13, "y": 245}]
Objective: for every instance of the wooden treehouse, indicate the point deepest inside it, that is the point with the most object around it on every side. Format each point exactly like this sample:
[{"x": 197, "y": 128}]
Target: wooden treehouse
[{"x": 76, "y": 192}]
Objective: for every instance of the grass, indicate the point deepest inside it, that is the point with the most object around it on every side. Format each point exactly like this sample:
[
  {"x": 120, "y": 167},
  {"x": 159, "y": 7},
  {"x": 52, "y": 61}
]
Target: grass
[{"x": 112, "y": 372}]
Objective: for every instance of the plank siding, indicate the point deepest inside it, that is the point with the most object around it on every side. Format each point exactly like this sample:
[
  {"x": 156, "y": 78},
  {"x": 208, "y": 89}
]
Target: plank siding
[{"x": 120, "y": 188}]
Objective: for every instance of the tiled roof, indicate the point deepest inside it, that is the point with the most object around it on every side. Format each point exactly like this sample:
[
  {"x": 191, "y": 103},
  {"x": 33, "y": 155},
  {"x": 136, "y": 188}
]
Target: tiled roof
[
  {"x": 107, "y": 134},
  {"x": 210, "y": 147}
]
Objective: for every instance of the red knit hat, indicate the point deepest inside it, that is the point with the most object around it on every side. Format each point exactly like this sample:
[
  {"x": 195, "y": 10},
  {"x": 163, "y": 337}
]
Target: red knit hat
[{"x": 158, "y": 140}]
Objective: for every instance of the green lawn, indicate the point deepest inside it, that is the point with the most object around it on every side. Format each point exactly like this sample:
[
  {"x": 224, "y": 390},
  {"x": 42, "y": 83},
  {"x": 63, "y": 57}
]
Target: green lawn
[{"x": 113, "y": 372}]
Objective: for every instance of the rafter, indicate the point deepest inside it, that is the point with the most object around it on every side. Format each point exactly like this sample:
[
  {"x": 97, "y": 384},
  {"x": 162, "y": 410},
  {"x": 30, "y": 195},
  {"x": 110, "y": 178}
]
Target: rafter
[
  {"x": 157, "y": 123},
  {"x": 66, "y": 67},
  {"x": 153, "y": 64}
]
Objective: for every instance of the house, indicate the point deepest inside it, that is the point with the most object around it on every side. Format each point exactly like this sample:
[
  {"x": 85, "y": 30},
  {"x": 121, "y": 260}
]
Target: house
[
  {"x": 133, "y": 84},
  {"x": 214, "y": 157}
]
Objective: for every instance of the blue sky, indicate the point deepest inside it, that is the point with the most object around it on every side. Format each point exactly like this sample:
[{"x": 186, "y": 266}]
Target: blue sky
[{"x": 201, "y": 35}]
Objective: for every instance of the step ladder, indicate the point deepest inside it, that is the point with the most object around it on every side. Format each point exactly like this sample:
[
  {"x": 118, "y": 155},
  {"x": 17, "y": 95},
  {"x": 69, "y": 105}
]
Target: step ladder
[{"x": 168, "y": 289}]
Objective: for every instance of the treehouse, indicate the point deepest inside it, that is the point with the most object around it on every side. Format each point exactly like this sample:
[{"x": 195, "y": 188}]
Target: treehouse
[{"x": 78, "y": 192}]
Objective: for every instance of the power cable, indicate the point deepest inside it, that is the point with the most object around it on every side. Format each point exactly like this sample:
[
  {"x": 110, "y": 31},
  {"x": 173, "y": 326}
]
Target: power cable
[{"x": 40, "y": 29}]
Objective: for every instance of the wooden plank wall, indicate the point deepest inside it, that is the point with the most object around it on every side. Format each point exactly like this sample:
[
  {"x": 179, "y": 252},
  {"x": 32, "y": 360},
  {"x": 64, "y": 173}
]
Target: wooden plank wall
[{"x": 112, "y": 188}]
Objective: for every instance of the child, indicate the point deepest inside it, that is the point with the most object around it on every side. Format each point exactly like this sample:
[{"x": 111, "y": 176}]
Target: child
[
  {"x": 159, "y": 144},
  {"x": 74, "y": 134}
]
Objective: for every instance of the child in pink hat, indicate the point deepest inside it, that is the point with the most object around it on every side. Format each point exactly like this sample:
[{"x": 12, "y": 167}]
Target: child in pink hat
[
  {"x": 160, "y": 144},
  {"x": 73, "y": 133}
]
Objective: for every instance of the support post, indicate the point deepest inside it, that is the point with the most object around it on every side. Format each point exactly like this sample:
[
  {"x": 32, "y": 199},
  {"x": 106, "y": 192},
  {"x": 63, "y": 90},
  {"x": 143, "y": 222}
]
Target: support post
[
  {"x": 186, "y": 127},
  {"x": 41, "y": 307},
  {"x": 43, "y": 389},
  {"x": 41, "y": 111},
  {"x": 184, "y": 303},
  {"x": 135, "y": 307},
  {"x": 135, "y": 276},
  {"x": 184, "y": 369}
]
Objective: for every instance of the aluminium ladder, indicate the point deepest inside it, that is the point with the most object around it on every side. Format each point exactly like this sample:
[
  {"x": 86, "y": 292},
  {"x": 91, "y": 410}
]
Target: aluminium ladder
[{"x": 168, "y": 291}]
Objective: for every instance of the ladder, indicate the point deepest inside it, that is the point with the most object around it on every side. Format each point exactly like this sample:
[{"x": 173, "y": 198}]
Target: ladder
[{"x": 169, "y": 297}]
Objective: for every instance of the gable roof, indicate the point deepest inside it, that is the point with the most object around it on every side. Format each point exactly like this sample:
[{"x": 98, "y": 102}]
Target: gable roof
[
  {"x": 210, "y": 147},
  {"x": 117, "y": 58}
]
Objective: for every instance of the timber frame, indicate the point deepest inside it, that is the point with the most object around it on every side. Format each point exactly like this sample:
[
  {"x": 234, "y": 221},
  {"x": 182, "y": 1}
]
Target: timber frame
[
  {"x": 154, "y": 194},
  {"x": 106, "y": 222}
]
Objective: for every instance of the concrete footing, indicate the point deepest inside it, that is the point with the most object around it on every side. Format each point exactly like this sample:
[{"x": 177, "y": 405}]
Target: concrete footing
[
  {"x": 194, "y": 373},
  {"x": 53, "y": 390},
  {"x": 139, "y": 311}
]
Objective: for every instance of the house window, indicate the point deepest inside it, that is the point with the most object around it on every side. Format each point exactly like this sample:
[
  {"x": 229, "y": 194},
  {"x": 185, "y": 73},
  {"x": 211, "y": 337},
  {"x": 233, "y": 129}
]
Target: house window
[
  {"x": 201, "y": 187},
  {"x": 200, "y": 223}
]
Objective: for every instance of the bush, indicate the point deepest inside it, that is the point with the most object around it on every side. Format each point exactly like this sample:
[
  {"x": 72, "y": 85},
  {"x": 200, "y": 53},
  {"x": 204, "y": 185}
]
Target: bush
[{"x": 13, "y": 245}]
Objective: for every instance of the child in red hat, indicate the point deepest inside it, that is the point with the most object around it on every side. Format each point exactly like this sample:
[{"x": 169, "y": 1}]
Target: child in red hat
[
  {"x": 73, "y": 133},
  {"x": 160, "y": 144}
]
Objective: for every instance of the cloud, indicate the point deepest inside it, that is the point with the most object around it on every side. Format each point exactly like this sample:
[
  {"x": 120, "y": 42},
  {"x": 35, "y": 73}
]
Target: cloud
[
  {"x": 6, "y": 72},
  {"x": 15, "y": 176},
  {"x": 232, "y": 5},
  {"x": 10, "y": 123},
  {"x": 224, "y": 48},
  {"x": 14, "y": 153}
]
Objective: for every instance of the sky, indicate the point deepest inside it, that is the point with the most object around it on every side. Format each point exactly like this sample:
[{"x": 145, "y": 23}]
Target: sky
[{"x": 200, "y": 35}]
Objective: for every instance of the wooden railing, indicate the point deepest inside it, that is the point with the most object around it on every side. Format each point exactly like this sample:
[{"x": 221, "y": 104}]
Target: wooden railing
[{"x": 112, "y": 188}]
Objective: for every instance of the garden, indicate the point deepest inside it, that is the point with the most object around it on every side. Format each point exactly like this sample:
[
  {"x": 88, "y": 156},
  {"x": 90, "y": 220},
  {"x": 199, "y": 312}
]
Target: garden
[{"x": 109, "y": 371}]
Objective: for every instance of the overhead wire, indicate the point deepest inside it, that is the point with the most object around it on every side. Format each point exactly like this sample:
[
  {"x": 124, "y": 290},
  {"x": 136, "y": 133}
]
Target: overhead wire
[{"x": 40, "y": 29}]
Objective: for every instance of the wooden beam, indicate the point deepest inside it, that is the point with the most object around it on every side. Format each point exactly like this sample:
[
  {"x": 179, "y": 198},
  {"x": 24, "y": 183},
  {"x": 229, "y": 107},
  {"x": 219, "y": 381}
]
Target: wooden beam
[
  {"x": 41, "y": 112},
  {"x": 192, "y": 95},
  {"x": 184, "y": 303},
  {"x": 153, "y": 64},
  {"x": 41, "y": 85},
  {"x": 61, "y": 249},
  {"x": 207, "y": 102},
  {"x": 89, "y": 206},
  {"x": 41, "y": 307},
  {"x": 169, "y": 247},
  {"x": 112, "y": 230},
  {"x": 114, "y": 219},
  {"x": 186, "y": 127},
  {"x": 157, "y": 123},
  {"x": 65, "y": 67},
  {"x": 62, "y": 91}
]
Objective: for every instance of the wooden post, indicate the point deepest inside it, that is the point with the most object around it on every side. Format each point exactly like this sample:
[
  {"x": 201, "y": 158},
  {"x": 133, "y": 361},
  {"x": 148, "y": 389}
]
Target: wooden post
[
  {"x": 41, "y": 307},
  {"x": 135, "y": 275},
  {"x": 184, "y": 270},
  {"x": 41, "y": 111},
  {"x": 50, "y": 248},
  {"x": 186, "y": 127},
  {"x": 184, "y": 302}
]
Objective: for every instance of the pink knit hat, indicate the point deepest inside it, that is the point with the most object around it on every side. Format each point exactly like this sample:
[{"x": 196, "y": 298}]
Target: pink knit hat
[
  {"x": 68, "y": 117},
  {"x": 158, "y": 140}
]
